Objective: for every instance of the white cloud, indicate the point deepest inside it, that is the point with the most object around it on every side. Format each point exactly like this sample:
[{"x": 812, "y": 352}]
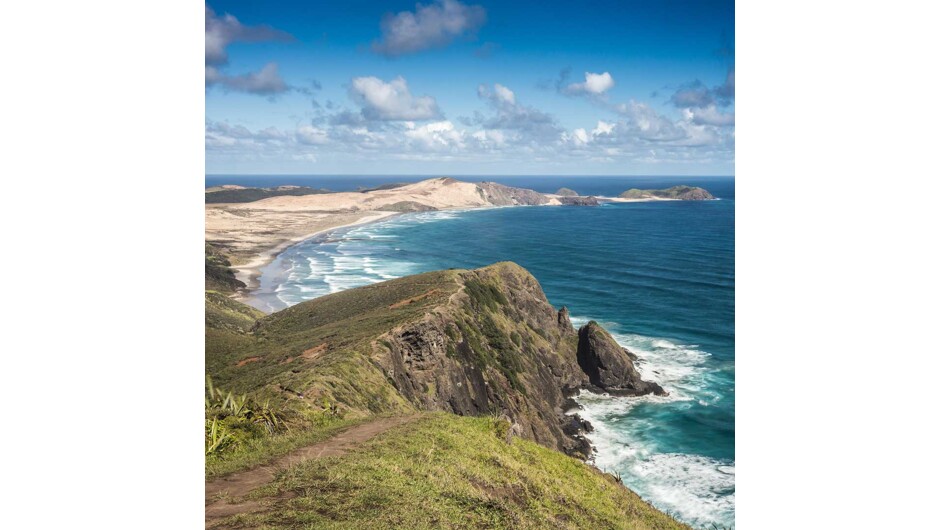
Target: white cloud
[
  {"x": 504, "y": 94},
  {"x": 531, "y": 124},
  {"x": 709, "y": 115},
  {"x": 310, "y": 135},
  {"x": 430, "y": 26},
  {"x": 594, "y": 84},
  {"x": 226, "y": 29},
  {"x": 435, "y": 135},
  {"x": 603, "y": 128},
  {"x": 391, "y": 101},
  {"x": 266, "y": 82},
  {"x": 580, "y": 137}
]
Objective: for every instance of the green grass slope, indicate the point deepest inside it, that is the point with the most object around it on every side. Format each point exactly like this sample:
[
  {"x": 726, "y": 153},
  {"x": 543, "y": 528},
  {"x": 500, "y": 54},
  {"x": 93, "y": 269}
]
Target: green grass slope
[
  {"x": 446, "y": 471},
  {"x": 682, "y": 193}
]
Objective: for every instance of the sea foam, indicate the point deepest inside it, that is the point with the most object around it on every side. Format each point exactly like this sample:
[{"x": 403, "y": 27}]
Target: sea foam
[{"x": 697, "y": 489}]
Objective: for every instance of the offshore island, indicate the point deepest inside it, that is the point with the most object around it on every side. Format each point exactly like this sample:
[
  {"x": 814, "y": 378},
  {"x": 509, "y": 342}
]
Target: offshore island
[{"x": 441, "y": 399}]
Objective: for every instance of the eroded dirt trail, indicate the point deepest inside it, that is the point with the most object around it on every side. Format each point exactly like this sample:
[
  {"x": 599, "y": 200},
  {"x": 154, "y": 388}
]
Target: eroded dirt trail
[{"x": 225, "y": 495}]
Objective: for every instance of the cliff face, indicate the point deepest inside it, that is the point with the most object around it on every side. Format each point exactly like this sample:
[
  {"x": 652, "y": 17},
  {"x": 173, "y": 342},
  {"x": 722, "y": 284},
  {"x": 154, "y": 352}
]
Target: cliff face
[
  {"x": 499, "y": 347},
  {"x": 501, "y": 195},
  {"x": 609, "y": 366},
  {"x": 470, "y": 342}
]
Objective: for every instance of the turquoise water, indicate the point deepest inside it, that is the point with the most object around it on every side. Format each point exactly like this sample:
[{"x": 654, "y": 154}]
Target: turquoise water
[{"x": 658, "y": 275}]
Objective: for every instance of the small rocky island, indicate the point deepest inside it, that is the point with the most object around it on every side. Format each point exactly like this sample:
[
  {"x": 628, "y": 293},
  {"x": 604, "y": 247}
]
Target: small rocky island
[{"x": 676, "y": 193}]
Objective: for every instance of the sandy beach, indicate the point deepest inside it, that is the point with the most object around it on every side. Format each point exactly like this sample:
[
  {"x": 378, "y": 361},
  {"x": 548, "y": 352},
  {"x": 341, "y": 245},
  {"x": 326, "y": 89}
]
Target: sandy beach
[
  {"x": 252, "y": 234},
  {"x": 251, "y": 246}
]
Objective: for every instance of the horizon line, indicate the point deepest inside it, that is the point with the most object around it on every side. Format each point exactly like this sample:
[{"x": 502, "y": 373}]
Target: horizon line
[{"x": 435, "y": 175}]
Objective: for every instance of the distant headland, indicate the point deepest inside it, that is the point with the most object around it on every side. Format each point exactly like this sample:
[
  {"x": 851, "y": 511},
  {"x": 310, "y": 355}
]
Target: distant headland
[{"x": 252, "y": 225}]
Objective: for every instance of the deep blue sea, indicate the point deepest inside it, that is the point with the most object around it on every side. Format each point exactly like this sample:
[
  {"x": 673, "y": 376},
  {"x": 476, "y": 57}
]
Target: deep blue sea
[{"x": 658, "y": 275}]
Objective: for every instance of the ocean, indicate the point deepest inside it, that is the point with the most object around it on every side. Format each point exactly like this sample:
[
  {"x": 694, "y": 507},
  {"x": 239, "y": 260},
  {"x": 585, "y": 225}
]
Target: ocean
[{"x": 658, "y": 275}]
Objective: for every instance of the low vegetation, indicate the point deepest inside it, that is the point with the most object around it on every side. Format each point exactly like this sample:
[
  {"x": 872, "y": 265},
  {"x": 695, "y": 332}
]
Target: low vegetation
[
  {"x": 237, "y": 195},
  {"x": 682, "y": 193},
  {"x": 219, "y": 275},
  {"x": 446, "y": 471}
]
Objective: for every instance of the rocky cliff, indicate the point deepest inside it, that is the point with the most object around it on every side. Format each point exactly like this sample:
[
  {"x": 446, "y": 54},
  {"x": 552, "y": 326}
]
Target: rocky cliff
[
  {"x": 502, "y": 195},
  {"x": 679, "y": 193},
  {"x": 470, "y": 342}
]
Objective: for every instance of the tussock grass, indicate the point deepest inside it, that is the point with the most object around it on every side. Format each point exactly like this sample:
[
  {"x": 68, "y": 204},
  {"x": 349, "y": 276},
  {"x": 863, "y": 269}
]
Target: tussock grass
[{"x": 446, "y": 471}]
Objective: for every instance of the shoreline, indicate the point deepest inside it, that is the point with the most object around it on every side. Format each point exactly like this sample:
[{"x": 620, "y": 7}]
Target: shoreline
[{"x": 250, "y": 272}]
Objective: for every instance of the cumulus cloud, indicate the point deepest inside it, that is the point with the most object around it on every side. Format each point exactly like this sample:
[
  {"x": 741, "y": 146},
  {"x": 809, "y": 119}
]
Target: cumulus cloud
[
  {"x": 265, "y": 82},
  {"x": 222, "y": 136},
  {"x": 648, "y": 124},
  {"x": 699, "y": 103},
  {"x": 226, "y": 29},
  {"x": 697, "y": 94},
  {"x": 431, "y": 26},
  {"x": 694, "y": 94},
  {"x": 309, "y": 135},
  {"x": 391, "y": 101},
  {"x": 511, "y": 115},
  {"x": 435, "y": 136},
  {"x": 593, "y": 85},
  {"x": 581, "y": 137},
  {"x": 709, "y": 115}
]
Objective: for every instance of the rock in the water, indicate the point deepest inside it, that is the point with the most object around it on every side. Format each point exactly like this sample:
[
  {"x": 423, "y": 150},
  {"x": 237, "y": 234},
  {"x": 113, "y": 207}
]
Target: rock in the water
[
  {"x": 579, "y": 201},
  {"x": 609, "y": 366},
  {"x": 566, "y": 192}
]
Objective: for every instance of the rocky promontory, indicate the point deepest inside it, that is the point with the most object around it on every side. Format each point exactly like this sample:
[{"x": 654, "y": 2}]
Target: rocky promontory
[
  {"x": 678, "y": 193},
  {"x": 609, "y": 366},
  {"x": 469, "y": 342}
]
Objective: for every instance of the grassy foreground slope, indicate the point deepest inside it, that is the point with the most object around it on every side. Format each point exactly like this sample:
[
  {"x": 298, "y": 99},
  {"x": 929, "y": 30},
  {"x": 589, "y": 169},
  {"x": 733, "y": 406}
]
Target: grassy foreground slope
[
  {"x": 447, "y": 471},
  {"x": 483, "y": 344}
]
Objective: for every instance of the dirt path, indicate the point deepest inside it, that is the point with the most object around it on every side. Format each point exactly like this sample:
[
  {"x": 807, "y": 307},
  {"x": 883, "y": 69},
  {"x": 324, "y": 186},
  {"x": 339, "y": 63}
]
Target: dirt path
[{"x": 225, "y": 495}]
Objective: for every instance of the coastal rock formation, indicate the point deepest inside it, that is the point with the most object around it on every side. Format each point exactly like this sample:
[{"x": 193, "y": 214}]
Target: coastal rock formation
[
  {"x": 566, "y": 192},
  {"x": 501, "y": 195},
  {"x": 469, "y": 342},
  {"x": 609, "y": 366},
  {"x": 579, "y": 201},
  {"x": 680, "y": 193}
]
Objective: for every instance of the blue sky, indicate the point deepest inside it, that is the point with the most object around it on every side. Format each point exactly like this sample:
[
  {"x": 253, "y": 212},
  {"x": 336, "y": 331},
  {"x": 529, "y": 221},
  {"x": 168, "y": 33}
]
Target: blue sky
[{"x": 452, "y": 87}]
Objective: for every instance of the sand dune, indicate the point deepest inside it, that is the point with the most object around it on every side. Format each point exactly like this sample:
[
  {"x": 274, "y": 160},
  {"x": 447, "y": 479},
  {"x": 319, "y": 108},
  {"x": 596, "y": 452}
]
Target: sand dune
[{"x": 254, "y": 233}]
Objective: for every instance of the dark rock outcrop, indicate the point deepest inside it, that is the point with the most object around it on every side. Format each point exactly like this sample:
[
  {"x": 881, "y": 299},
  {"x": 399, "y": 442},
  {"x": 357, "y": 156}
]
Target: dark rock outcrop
[
  {"x": 579, "y": 201},
  {"x": 609, "y": 366},
  {"x": 564, "y": 320},
  {"x": 499, "y": 347}
]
